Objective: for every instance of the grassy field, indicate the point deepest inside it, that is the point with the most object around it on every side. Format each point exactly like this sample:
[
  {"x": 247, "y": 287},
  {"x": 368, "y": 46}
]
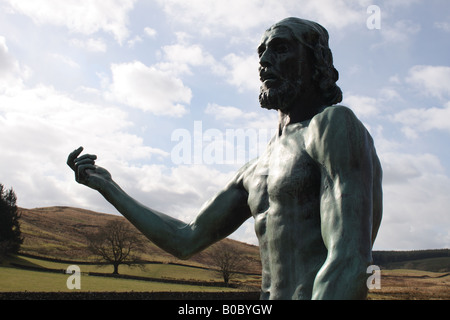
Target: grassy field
[
  {"x": 148, "y": 270},
  {"x": 12, "y": 279},
  {"x": 61, "y": 233},
  {"x": 404, "y": 284},
  {"x": 395, "y": 284},
  {"x": 16, "y": 279}
]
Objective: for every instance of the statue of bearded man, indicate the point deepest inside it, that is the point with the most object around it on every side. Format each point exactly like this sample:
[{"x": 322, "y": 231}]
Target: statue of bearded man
[{"x": 315, "y": 193}]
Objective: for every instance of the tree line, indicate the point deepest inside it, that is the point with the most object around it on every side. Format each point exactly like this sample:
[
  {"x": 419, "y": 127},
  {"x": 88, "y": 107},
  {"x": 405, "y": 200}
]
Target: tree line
[
  {"x": 385, "y": 257},
  {"x": 10, "y": 234}
]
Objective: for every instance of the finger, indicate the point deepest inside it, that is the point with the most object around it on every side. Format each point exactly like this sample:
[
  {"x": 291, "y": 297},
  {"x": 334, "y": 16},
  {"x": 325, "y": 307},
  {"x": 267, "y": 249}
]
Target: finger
[
  {"x": 84, "y": 157},
  {"x": 79, "y": 161},
  {"x": 73, "y": 156},
  {"x": 81, "y": 171}
]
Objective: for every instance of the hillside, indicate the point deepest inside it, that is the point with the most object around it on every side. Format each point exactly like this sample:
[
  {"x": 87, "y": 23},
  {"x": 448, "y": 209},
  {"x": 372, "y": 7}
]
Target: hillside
[
  {"x": 437, "y": 260},
  {"x": 61, "y": 233}
]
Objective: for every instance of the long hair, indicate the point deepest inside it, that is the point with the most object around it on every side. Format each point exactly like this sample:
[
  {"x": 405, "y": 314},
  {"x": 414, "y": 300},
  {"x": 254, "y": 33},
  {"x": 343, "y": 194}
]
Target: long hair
[{"x": 315, "y": 37}]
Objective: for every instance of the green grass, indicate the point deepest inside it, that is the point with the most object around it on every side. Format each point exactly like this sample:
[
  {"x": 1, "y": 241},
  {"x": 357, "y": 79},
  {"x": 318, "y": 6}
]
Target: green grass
[
  {"x": 148, "y": 270},
  {"x": 13, "y": 279},
  {"x": 16, "y": 279}
]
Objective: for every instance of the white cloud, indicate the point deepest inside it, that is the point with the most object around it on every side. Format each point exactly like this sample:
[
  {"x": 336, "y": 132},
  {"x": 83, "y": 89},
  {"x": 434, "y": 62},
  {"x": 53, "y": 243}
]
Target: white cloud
[
  {"x": 363, "y": 106},
  {"x": 41, "y": 126},
  {"x": 211, "y": 17},
  {"x": 389, "y": 93},
  {"x": 238, "y": 118},
  {"x": 400, "y": 31},
  {"x": 150, "y": 32},
  {"x": 415, "y": 192},
  {"x": 242, "y": 71},
  {"x": 395, "y": 79},
  {"x": 180, "y": 191},
  {"x": 431, "y": 80},
  {"x": 149, "y": 89},
  {"x": 178, "y": 58},
  {"x": 132, "y": 42},
  {"x": 335, "y": 14},
  {"x": 444, "y": 25},
  {"x": 80, "y": 16},
  {"x": 66, "y": 60},
  {"x": 422, "y": 120},
  {"x": 10, "y": 69},
  {"x": 399, "y": 168},
  {"x": 7, "y": 62},
  {"x": 225, "y": 112},
  {"x": 91, "y": 44}
]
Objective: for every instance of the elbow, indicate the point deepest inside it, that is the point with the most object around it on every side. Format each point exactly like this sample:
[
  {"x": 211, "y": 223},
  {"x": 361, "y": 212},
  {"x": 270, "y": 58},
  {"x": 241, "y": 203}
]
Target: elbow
[
  {"x": 177, "y": 251},
  {"x": 187, "y": 249},
  {"x": 184, "y": 251},
  {"x": 183, "y": 254},
  {"x": 178, "y": 243}
]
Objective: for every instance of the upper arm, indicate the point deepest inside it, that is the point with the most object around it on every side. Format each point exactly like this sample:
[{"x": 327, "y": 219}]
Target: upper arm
[
  {"x": 220, "y": 216},
  {"x": 344, "y": 150}
]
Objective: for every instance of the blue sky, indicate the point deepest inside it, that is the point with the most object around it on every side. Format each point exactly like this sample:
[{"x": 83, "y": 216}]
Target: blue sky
[{"x": 133, "y": 81}]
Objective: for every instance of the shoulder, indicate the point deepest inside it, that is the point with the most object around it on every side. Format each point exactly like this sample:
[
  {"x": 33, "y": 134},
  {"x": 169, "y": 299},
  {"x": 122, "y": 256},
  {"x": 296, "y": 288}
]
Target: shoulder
[
  {"x": 336, "y": 118},
  {"x": 336, "y": 132},
  {"x": 237, "y": 181}
]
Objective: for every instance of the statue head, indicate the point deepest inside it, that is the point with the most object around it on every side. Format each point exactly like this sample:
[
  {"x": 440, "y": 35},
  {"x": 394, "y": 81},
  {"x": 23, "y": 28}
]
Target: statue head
[{"x": 295, "y": 58}]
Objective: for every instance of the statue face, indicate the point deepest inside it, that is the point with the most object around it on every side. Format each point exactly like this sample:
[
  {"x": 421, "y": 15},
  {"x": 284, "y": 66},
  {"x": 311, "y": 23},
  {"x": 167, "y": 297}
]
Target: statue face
[{"x": 282, "y": 69}]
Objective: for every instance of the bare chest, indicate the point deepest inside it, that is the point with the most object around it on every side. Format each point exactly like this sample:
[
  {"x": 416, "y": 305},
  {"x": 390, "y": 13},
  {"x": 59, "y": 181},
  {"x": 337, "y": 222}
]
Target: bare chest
[{"x": 285, "y": 176}]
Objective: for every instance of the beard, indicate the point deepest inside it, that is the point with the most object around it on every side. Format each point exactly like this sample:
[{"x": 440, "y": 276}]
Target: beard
[{"x": 280, "y": 97}]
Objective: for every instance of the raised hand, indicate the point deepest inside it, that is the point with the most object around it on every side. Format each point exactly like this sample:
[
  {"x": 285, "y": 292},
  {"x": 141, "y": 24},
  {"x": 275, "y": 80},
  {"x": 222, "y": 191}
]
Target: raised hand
[{"x": 86, "y": 172}]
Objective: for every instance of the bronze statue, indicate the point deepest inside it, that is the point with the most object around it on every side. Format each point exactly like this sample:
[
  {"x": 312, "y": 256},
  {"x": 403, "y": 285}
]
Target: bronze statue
[{"x": 315, "y": 194}]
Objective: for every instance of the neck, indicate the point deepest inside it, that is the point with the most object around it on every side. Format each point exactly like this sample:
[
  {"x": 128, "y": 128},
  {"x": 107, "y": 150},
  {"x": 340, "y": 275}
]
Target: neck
[{"x": 296, "y": 113}]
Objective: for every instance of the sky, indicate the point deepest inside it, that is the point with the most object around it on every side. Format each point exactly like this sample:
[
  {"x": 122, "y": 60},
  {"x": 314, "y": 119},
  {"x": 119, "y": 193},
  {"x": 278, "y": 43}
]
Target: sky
[{"x": 165, "y": 93}]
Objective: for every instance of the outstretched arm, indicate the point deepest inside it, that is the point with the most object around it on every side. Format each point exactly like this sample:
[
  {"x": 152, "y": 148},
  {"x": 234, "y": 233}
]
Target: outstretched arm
[
  {"x": 217, "y": 219},
  {"x": 344, "y": 149}
]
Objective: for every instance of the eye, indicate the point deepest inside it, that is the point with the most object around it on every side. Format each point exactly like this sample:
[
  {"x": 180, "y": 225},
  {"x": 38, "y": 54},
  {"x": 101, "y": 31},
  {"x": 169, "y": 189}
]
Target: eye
[
  {"x": 281, "y": 48},
  {"x": 261, "y": 51}
]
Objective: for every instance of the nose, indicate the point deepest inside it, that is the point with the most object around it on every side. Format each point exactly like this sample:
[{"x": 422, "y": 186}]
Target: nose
[{"x": 265, "y": 59}]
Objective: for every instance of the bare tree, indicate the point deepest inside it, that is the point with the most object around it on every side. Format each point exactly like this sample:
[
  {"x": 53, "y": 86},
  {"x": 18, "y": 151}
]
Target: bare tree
[
  {"x": 228, "y": 261},
  {"x": 114, "y": 243}
]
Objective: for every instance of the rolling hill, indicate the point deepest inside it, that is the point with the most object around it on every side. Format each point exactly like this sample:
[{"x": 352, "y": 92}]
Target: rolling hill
[{"x": 61, "y": 233}]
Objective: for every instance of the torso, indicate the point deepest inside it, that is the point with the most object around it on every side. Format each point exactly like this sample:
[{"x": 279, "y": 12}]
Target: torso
[{"x": 283, "y": 188}]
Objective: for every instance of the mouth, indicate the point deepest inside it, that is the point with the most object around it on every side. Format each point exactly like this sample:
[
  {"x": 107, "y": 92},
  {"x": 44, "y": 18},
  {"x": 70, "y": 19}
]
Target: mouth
[{"x": 268, "y": 78}]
